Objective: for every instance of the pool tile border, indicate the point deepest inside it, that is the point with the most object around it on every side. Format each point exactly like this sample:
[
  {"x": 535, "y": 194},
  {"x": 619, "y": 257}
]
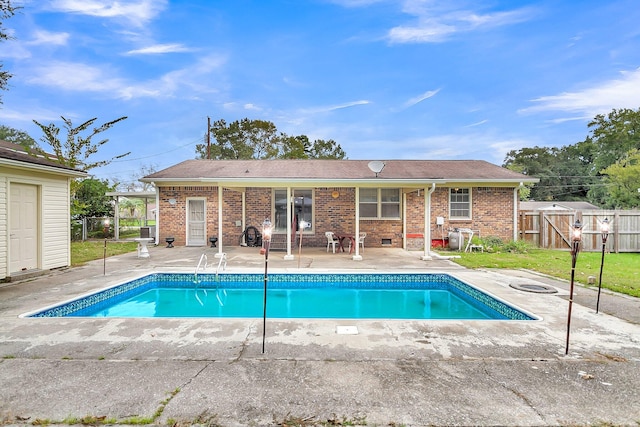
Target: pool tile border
[{"x": 476, "y": 297}]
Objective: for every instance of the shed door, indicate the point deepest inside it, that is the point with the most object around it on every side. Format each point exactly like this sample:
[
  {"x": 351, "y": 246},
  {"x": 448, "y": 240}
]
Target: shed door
[
  {"x": 196, "y": 222},
  {"x": 23, "y": 227}
]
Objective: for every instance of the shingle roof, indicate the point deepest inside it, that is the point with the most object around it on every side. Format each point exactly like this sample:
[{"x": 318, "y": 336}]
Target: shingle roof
[
  {"x": 16, "y": 152},
  {"x": 340, "y": 169}
]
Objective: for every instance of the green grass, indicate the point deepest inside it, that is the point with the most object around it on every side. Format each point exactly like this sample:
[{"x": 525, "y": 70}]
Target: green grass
[
  {"x": 620, "y": 272},
  {"x": 83, "y": 252}
]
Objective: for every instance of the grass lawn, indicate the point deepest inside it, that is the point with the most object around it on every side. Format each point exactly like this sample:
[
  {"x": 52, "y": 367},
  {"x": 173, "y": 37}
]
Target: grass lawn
[
  {"x": 620, "y": 272},
  {"x": 83, "y": 252}
]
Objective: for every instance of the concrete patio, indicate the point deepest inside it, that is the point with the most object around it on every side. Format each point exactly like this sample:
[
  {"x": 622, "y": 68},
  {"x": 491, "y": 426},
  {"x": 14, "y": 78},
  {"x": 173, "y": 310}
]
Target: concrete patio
[{"x": 413, "y": 373}]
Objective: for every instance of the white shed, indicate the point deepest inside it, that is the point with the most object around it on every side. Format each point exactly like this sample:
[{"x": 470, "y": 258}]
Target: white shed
[{"x": 35, "y": 223}]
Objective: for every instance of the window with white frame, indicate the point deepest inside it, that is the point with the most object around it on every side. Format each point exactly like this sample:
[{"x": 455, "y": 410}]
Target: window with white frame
[
  {"x": 459, "y": 203},
  {"x": 380, "y": 203}
]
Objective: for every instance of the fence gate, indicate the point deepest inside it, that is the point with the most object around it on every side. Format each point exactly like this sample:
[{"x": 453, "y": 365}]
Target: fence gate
[{"x": 552, "y": 229}]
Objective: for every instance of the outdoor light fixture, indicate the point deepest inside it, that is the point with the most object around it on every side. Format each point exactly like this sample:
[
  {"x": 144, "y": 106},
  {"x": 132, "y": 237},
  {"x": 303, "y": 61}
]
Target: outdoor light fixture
[
  {"x": 576, "y": 237},
  {"x": 302, "y": 225},
  {"x": 604, "y": 230},
  {"x": 267, "y": 228}
]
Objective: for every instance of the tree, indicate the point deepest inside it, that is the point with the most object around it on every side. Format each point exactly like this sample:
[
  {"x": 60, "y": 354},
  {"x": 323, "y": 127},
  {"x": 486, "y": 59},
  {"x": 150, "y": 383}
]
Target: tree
[
  {"x": 76, "y": 150},
  {"x": 539, "y": 162},
  {"x": 245, "y": 139},
  {"x": 6, "y": 12},
  {"x": 259, "y": 139},
  {"x": 90, "y": 199},
  {"x": 330, "y": 149},
  {"x": 16, "y": 136},
  {"x": 134, "y": 184},
  {"x": 623, "y": 179},
  {"x": 611, "y": 138}
]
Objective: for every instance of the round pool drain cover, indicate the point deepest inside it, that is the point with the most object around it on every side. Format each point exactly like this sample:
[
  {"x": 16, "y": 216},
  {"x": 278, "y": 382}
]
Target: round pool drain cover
[{"x": 539, "y": 289}]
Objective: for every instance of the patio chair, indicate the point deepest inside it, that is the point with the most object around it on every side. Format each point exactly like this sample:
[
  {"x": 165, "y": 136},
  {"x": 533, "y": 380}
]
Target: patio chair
[
  {"x": 360, "y": 241},
  {"x": 331, "y": 240}
]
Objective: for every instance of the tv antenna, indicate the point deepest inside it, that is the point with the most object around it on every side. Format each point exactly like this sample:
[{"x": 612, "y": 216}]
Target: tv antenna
[{"x": 376, "y": 166}]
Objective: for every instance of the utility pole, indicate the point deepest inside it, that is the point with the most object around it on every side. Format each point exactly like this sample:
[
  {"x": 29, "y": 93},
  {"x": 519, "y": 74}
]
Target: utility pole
[{"x": 208, "y": 138}]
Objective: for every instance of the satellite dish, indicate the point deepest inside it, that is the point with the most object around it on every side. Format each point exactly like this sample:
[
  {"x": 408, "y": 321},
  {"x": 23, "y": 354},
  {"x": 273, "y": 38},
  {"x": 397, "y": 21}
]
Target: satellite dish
[{"x": 376, "y": 166}]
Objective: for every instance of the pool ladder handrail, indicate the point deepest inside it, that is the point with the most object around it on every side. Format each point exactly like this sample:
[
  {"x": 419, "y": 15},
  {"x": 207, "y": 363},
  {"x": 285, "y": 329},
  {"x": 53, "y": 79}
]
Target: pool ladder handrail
[
  {"x": 203, "y": 257},
  {"x": 222, "y": 263}
]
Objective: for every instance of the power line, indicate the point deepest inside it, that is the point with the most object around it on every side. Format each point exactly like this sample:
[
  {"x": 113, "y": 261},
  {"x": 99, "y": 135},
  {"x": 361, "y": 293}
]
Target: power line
[{"x": 159, "y": 154}]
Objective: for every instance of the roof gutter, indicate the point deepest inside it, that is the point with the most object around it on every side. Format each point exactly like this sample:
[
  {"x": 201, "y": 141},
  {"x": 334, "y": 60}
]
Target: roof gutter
[{"x": 43, "y": 168}]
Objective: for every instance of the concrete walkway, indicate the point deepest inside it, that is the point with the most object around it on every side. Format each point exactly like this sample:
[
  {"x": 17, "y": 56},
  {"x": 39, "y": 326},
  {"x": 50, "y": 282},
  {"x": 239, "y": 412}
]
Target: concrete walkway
[{"x": 392, "y": 373}]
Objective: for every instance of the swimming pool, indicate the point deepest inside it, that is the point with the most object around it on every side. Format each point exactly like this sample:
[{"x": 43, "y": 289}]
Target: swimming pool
[{"x": 337, "y": 296}]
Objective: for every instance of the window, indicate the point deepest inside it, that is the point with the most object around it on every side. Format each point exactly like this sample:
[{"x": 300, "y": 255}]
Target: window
[
  {"x": 380, "y": 203},
  {"x": 302, "y": 209},
  {"x": 460, "y": 203}
]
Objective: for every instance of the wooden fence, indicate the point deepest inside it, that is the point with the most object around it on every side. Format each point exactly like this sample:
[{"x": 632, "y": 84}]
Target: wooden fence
[{"x": 552, "y": 229}]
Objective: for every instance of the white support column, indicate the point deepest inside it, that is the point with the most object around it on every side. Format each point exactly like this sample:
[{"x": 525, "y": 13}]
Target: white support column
[
  {"x": 427, "y": 224},
  {"x": 357, "y": 256},
  {"x": 404, "y": 220},
  {"x": 220, "y": 243},
  {"x": 116, "y": 220},
  {"x": 289, "y": 256},
  {"x": 244, "y": 213}
]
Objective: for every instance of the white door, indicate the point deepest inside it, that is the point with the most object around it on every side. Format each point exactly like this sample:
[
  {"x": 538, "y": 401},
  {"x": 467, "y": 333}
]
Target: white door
[
  {"x": 196, "y": 222},
  {"x": 23, "y": 227}
]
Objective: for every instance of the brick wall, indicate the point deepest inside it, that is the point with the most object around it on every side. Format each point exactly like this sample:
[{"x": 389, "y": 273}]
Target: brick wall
[{"x": 492, "y": 214}]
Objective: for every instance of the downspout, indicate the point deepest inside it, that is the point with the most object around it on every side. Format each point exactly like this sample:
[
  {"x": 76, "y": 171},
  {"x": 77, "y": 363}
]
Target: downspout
[
  {"x": 220, "y": 242},
  {"x": 157, "y": 215},
  {"x": 515, "y": 211},
  {"x": 427, "y": 222}
]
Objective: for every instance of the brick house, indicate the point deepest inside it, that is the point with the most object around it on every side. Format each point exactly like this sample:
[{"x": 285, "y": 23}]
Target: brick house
[{"x": 198, "y": 199}]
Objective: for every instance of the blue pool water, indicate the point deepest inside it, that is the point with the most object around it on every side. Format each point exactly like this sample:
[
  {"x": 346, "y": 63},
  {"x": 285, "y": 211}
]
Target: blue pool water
[{"x": 329, "y": 296}]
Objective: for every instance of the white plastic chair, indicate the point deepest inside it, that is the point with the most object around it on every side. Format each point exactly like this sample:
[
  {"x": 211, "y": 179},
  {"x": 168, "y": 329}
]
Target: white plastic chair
[
  {"x": 331, "y": 240},
  {"x": 360, "y": 241}
]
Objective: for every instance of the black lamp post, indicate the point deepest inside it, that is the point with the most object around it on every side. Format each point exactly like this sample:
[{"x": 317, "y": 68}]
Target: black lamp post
[
  {"x": 576, "y": 237},
  {"x": 604, "y": 230},
  {"x": 266, "y": 239}
]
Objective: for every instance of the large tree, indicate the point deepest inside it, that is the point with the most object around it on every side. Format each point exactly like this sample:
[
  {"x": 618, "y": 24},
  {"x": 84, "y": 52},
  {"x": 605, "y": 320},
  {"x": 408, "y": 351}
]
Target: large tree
[
  {"x": 623, "y": 181},
  {"x": 16, "y": 136},
  {"x": 76, "y": 150},
  {"x": 259, "y": 139},
  {"x": 575, "y": 172},
  {"x": 539, "y": 162},
  {"x": 6, "y": 12},
  {"x": 90, "y": 199}
]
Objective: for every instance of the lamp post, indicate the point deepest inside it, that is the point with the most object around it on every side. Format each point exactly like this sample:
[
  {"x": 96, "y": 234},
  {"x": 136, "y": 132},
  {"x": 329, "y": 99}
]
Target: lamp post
[
  {"x": 604, "y": 230},
  {"x": 303, "y": 224},
  {"x": 266, "y": 238},
  {"x": 576, "y": 237}
]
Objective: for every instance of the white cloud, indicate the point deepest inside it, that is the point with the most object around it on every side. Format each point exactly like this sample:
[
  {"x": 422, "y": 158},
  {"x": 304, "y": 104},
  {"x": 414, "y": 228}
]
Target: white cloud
[
  {"x": 49, "y": 38},
  {"x": 436, "y": 23},
  {"x": 159, "y": 49},
  {"x": 416, "y": 100},
  {"x": 618, "y": 93},
  {"x": 74, "y": 77},
  {"x": 137, "y": 12},
  {"x": 79, "y": 77}
]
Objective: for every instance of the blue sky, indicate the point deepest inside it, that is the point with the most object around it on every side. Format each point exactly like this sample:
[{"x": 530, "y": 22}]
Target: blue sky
[{"x": 413, "y": 79}]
